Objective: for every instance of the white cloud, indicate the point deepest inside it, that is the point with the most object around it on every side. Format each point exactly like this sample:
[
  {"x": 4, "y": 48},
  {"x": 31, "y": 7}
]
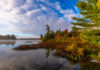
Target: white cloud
[
  {"x": 29, "y": 17},
  {"x": 68, "y": 13},
  {"x": 32, "y": 12}
]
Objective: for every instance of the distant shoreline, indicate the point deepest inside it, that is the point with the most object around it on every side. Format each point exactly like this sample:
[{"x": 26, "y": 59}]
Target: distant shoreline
[
  {"x": 29, "y": 39},
  {"x": 22, "y": 39}
]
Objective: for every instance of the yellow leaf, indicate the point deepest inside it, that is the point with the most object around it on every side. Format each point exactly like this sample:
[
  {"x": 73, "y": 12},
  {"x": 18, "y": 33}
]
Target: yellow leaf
[{"x": 98, "y": 4}]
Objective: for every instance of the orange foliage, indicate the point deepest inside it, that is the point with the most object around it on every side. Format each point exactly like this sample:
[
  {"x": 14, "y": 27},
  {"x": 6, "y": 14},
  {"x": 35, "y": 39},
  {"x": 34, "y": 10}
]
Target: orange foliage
[
  {"x": 58, "y": 36},
  {"x": 66, "y": 31}
]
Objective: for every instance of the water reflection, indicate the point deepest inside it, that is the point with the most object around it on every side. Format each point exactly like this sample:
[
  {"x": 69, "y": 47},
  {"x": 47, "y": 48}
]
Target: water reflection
[
  {"x": 8, "y": 42},
  {"x": 16, "y": 43},
  {"x": 32, "y": 60},
  {"x": 39, "y": 59}
]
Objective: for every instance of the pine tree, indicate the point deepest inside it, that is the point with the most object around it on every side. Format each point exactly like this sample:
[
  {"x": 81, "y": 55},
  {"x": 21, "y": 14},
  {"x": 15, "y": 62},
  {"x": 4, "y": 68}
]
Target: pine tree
[
  {"x": 78, "y": 25},
  {"x": 89, "y": 10},
  {"x": 41, "y": 36},
  {"x": 50, "y": 34},
  {"x": 89, "y": 23},
  {"x": 47, "y": 29},
  {"x": 90, "y": 16}
]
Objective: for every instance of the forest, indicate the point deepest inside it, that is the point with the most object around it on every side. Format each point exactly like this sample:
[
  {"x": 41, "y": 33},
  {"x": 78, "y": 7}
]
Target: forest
[
  {"x": 84, "y": 38},
  {"x": 9, "y": 37}
]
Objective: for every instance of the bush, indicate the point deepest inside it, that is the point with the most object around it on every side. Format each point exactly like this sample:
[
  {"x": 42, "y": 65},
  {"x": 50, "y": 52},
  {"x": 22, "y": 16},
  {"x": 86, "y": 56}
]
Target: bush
[{"x": 91, "y": 36}]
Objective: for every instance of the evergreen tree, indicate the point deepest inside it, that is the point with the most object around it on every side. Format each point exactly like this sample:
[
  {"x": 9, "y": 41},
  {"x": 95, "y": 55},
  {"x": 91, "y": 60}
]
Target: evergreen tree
[
  {"x": 89, "y": 23},
  {"x": 90, "y": 16},
  {"x": 78, "y": 25},
  {"x": 41, "y": 36},
  {"x": 47, "y": 29},
  {"x": 48, "y": 35},
  {"x": 90, "y": 12}
]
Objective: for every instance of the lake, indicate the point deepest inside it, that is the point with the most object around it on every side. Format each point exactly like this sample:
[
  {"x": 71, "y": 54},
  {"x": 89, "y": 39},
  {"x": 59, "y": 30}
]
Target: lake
[{"x": 37, "y": 59}]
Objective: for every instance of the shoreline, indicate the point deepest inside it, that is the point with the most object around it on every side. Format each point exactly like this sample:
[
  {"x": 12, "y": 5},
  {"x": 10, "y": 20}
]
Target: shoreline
[{"x": 60, "y": 50}]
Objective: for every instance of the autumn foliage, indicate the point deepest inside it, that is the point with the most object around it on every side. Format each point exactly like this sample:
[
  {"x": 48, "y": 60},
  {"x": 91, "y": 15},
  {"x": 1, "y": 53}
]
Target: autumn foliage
[
  {"x": 58, "y": 36},
  {"x": 98, "y": 4}
]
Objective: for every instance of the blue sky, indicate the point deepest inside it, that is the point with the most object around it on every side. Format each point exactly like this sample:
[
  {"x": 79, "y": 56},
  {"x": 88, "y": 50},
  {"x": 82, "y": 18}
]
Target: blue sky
[{"x": 29, "y": 17}]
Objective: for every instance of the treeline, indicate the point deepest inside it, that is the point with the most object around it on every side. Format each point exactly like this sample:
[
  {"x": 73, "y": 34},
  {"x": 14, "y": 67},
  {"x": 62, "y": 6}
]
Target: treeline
[
  {"x": 9, "y": 37},
  {"x": 84, "y": 38},
  {"x": 87, "y": 27},
  {"x": 59, "y": 35}
]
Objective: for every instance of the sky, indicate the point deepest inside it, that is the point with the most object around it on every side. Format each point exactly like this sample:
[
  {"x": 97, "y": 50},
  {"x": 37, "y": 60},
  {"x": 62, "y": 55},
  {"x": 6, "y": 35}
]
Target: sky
[{"x": 28, "y": 18}]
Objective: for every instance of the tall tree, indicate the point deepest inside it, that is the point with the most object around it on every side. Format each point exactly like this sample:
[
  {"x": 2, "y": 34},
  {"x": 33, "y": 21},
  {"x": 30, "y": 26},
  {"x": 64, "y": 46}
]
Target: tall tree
[
  {"x": 89, "y": 21},
  {"x": 90, "y": 16},
  {"x": 47, "y": 28},
  {"x": 90, "y": 11}
]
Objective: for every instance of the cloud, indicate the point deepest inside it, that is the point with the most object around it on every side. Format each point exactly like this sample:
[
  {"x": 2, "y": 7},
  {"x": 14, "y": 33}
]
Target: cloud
[
  {"x": 31, "y": 17},
  {"x": 32, "y": 60}
]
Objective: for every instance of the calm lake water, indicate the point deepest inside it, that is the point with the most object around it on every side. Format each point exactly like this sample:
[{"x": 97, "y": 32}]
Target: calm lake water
[{"x": 38, "y": 59}]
